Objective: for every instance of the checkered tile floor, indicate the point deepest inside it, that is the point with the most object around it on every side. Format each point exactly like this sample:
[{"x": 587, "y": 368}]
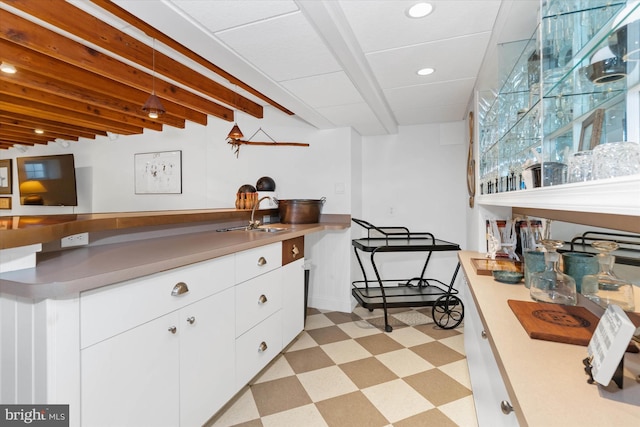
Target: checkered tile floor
[{"x": 345, "y": 371}]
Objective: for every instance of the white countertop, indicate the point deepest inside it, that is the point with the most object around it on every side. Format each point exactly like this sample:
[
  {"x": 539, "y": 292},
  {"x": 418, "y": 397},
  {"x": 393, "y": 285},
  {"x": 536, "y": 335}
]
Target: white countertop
[{"x": 546, "y": 380}]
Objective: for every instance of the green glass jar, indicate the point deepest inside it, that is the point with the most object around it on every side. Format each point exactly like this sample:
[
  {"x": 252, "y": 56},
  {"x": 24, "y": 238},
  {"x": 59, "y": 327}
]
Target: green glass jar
[{"x": 552, "y": 285}]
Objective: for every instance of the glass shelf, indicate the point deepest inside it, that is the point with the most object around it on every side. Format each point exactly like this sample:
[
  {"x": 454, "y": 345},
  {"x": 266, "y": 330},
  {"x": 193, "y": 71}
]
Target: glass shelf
[{"x": 549, "y": 89}]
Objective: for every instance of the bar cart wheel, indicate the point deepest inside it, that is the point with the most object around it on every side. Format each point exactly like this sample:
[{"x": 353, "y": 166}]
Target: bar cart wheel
[{"x": 447, "y": 311}]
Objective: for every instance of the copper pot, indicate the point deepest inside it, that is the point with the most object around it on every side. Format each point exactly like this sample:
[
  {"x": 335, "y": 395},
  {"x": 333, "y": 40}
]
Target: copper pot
[{"x": 300, "y": 211}]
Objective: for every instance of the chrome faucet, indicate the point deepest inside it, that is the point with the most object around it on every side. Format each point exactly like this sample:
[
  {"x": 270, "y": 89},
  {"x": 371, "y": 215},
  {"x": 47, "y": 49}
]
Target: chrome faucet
[{"x": 255, "y": 223}]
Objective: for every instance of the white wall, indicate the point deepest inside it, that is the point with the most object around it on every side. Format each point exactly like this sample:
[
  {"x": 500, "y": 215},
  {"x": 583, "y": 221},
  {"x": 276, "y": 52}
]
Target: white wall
[
  {"x": 211, "y": 173},
  {"x": 417, "y": 179}
]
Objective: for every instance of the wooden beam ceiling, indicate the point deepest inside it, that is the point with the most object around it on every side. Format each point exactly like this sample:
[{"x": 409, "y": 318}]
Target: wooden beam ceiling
[{"x": 97, "y": 79}]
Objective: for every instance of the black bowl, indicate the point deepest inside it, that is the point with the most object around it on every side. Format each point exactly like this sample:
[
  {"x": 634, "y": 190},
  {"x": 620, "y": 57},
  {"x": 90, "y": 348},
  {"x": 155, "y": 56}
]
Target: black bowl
[
  {"x": 606, "y": 71},
  {"x": 247, "y": 188},
  {"x": 266, "y": 184}
]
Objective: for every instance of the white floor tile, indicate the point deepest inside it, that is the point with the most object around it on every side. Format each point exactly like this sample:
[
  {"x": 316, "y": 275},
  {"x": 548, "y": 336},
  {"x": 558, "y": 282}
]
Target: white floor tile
[
  {"x": 345, "y": 351},
  {"x": 280, "y": 368},
  {"x": 244, "y": 409},
  {"x": 396, "y": 400},
  {"x": 459, "y": 371},
  {"x": 404, "y": 362},
  {"x": 326, "y": 383},
  {"x": 462, "y": 412},
  {"x": 410, "y": 337}
]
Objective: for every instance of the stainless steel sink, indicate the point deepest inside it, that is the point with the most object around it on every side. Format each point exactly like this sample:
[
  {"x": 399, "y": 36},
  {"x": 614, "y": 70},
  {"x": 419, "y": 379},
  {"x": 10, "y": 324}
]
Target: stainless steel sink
[{"x": 269, "y": 229}]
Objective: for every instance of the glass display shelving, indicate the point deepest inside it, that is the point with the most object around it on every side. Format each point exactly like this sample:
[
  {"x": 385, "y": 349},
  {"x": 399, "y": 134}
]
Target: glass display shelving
[{"x": 556, "y": 94}]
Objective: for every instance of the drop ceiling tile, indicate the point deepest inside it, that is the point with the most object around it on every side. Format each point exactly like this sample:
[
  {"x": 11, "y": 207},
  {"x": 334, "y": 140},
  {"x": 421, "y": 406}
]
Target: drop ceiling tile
[
  {"x": 452, "y": 59},
  {"x": 324, "y": 90},
  {"x": 383, "y": 24},
  {"x": 284, "y": 48},
  {"x": 437, "y": 114},
  {"x": 223, "y": 14},
  {"x": 432, "y": 95},
  {"x": 358, "y": 116}
]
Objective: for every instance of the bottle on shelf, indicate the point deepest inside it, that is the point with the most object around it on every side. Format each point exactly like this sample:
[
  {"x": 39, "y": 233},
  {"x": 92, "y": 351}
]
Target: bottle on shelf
[
  {"x": 605, "y": 288},
  {"x": 552, "y": 285}
]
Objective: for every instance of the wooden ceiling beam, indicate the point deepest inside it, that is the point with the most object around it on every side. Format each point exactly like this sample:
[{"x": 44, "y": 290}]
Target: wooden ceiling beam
[
  {"x": 7, "y": 133},
  {"x": 44, "y": 111},
  {"x": 89, "y": 28},
  {"x": 79, "y": 107},
  {"x": 41, "y": 83},
  {"x": 32, "y": 36},
  {"x": 22, "y": 130},
  {"x": 27, "y": 121},
  {"x": 152, "y": 32},
  {"x": 51, "y": 70}
]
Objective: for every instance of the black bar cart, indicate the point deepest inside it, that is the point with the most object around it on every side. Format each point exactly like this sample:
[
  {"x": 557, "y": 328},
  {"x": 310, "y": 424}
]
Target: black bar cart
[{"x": 447, "y": 309}]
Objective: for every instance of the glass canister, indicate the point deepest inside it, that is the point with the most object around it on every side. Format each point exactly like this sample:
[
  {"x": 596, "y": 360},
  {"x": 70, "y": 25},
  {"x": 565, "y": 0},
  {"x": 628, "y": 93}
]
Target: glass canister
[
  {"x": 552, "y": 285},
  {"x": 605, "y": 288}
]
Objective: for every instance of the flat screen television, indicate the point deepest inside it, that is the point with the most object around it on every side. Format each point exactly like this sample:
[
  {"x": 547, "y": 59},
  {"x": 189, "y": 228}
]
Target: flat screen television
[{"x": 47, "y": 180}]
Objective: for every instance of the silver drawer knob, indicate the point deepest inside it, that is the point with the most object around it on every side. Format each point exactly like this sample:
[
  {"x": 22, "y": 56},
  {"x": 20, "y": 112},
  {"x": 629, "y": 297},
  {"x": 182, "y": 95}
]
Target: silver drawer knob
[
  {"x": 506, "y": 407},
  {"x": 173, "y": 329},
  {"x": 179, "y": 289},
  {"x": 262, "y": 299},
  {"x": 483, "y": 334},
  {"x": 262, "y": 261},
  {"x": 191, "y": 320},
  {"x": 263, "y": 347}
]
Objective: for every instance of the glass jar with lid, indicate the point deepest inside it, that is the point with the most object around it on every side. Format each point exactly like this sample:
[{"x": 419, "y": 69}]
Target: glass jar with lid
[
  {"x": 552, "y": 285},
  {"x": 605, "y": 288}
]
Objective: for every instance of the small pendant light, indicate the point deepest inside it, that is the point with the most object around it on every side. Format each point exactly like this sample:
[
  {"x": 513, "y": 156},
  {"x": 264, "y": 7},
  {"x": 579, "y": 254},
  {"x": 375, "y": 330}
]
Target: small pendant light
[
  {"x": 235, "y": 132},
  {"x": 153, "y": 107}
]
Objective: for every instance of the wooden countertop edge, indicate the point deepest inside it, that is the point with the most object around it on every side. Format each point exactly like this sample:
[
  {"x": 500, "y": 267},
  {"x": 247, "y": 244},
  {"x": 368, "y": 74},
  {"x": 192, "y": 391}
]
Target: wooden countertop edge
[{"x": 47, "y": 228}]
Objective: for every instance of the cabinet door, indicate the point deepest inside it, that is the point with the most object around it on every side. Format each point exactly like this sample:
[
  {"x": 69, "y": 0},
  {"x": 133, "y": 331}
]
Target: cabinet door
[
  {"x": 132, "y": 379},
  {"x": 486, "y": 381},
  {"x": 207, "y": 357},
  {"x": 292, "y": 300}
]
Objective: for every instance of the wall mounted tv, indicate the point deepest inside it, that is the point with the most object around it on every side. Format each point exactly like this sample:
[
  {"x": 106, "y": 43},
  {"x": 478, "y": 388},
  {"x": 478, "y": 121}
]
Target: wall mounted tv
[{"x": 47, "y": 180}]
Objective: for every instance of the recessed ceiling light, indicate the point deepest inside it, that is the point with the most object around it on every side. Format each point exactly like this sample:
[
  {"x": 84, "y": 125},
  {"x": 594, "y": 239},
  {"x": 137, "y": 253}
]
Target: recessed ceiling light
[
  {"x": 425, "y": 71},
  {"x": 5, "y": 67},
  {"x": 38, "y": 131},
  {"x": 420, "y": 10}
]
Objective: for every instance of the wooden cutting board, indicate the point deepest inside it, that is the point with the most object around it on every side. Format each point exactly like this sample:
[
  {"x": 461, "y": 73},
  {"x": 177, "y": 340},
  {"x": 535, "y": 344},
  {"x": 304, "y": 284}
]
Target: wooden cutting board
[{"x": 556, "y": 322}]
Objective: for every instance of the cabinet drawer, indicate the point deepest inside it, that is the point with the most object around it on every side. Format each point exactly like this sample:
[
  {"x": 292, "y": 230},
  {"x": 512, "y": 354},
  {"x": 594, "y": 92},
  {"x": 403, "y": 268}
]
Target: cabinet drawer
[
  {"x": 113, "y": 309},
  {"x": 251, "y": 355},
  {"x": 253, "y": 262},
  {"x": 292, "y": 250},
  {"x": 257, "y": 299}
]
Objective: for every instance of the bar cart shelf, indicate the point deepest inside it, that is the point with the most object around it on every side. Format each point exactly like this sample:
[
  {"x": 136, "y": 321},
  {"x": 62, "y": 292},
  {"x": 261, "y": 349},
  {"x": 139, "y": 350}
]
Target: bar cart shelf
[{"x": 447, "y": 309}]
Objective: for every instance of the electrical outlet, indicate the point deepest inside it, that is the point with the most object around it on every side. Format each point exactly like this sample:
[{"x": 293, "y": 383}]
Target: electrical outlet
[{"x": 80, "y": 239}]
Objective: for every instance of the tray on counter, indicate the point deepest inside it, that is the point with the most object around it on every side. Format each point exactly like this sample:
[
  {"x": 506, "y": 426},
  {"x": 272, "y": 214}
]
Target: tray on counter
[{"x": 484, "y": 266}]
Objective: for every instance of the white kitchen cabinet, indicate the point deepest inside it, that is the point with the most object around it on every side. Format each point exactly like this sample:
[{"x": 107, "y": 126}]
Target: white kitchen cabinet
[
  {"x": 489, "y": 391},
  {"x": 132, "y": 379},
  {"x": 293, "y": 289},
  {"x": 206, "y": 356},
  {"x": 175, "y": 367},
  {"x": 292, "y": 300}
]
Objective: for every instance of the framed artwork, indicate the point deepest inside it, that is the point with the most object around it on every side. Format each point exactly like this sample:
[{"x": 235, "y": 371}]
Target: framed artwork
[
  {"x": 158, "y": 173},
  {"x": 591, "y": 130},
  {"x": 6, "y": 185}
]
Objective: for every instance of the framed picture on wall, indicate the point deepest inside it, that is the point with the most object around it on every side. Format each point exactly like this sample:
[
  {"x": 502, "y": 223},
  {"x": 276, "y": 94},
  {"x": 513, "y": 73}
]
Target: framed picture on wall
[
  {"x": 158, "y": 173},
  {"x": 6, "y": 184},
  {"x": 591, "y": 132}
]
